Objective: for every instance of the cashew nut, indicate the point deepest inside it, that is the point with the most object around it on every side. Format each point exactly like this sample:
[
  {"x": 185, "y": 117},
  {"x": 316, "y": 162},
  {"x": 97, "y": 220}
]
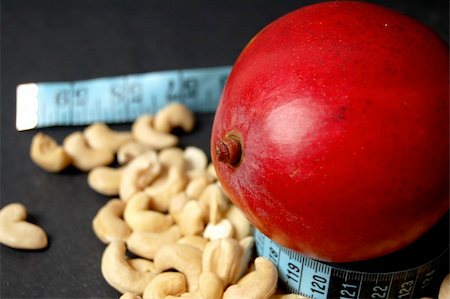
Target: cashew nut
[
  {"x": 140, "y": 218},
  {"x": 83, "y": 156},
  {"x": 177, "y": 203},
  {"x": 130, "y": 150},
  {"x": 172, "y": 156},
  {"x": 223, "y": 229},
  {"x": 246, "y": 245},
  {"x": 196, "y": 161},
  {"x": 172, "y": 116},
  {"x": 211, "y": 171},
  {"x": 138, "y": 174},
  {"x": 108, "y": 224},
  {"x": 118, "y": 272},
  {"x": 222, "y": 257},
  {"x": 242, "y": 228},
  {"x": 182, "y": 257},
  {"x": 187, "y": 213},
  {"x": 143, "y": 131},
  {"x": 17, "y": 233},
  {"x": 165, "y": 284},
  {"x": 47, "y": 154},
  {"x": 105, "y": 180},
  {"x": 190, "y": 218},
  {"x": 195, "y": 241},
  {"x": 170, "y": 183},
  {"x": 146, "y": 244},
  {"x": 210, "y": 287},
  {"x": 196, "y": 186},
  {"x": 264, "y": 277},
  {"x": 100, "y": 136},
  {"x": 214, "y": 202},
  {"x": 444, "y": 291}
]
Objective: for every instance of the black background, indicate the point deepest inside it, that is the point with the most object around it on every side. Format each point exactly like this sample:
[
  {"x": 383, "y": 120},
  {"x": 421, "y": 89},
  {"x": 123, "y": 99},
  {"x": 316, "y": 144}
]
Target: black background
[{"x": 64, "y": 40}]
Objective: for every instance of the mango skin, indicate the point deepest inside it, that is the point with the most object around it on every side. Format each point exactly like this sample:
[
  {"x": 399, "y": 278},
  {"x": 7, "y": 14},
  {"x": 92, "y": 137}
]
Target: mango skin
[{"x": 341, "y": 109}]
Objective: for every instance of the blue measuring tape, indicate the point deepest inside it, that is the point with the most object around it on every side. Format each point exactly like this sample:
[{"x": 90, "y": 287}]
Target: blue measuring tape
[
  {"x": 318, "y": 280},
  {"x": 124, "y": 98},
  {"x": 117, "y": 99}
]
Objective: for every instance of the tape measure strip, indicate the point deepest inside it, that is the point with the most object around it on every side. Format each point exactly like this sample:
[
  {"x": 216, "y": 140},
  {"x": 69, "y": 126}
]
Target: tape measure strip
[
  {"x": 302, "y": 275},
  {"x": 117, "y": 99}
]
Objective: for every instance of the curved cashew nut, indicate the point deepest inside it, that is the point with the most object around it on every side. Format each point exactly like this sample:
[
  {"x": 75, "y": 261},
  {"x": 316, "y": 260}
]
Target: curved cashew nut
[
  {"x": 165, "y": 284},
  {"x": 174, "y": 115},
  {"x": 146, "y": 244},
  {"x": 222, "y": 257},
  {"x": 118, "y": 272},
  {"x": 196, "y": 161},
  {"x": 444, "y": 291},
  {"x": 223, "y": 229},
  {"x": 184, "y": 258},
  {"x": 143, "y": 131},
  {"x": 242, "y": 228},
  {"x": 131, "y": 150},
  {"x": 210, "y": 287},
  {"x": 140, "y": 218},
  {"x": 138, "y": 174},
  {"x": 100, "y": 136},
  {"x": 15, "y": 232},
  {"x": 170, "y": 183},
  {"x": 83, "y": 156},
  {"x": 105, "y": 180},
  {"x": 172, "y": 156},
  {"x": 214, "y": 201},
  {"x": 194, "y": 241},
  {"x": 108, "y": 224},
  {"x": 265, "y": 277},
  {"x": 47, "y": 154}
]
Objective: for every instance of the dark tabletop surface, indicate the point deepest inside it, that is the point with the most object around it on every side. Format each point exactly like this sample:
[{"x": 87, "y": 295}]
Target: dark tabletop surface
[{"x": 64, "y": 40}]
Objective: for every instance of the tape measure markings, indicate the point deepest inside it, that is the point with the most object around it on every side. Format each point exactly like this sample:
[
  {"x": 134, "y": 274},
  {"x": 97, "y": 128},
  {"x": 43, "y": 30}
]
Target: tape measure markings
[
  {"x": 315, "y": 279},
  {"x": 117, "y": 99}
]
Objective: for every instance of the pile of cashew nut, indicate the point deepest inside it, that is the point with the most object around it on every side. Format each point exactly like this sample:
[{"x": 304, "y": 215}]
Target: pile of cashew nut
[{"x": 166, "y": 208}]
